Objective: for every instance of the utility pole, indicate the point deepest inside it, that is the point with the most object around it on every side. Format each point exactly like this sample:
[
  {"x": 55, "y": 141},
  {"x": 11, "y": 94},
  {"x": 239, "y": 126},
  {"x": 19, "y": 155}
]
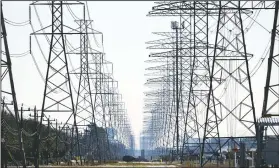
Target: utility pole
[
  {"x": 47, "y": 141},
  {"x": 35, "y": 115},
  {"x": 176, "y": 27},
  {"x": 56, "y": 142},
  {"x": 1, "y": 138},
  {"x": 177, "y": 96}
]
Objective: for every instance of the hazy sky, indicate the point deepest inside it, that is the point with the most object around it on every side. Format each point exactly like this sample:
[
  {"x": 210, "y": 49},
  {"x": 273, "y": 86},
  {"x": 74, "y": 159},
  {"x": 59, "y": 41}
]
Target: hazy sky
[{"x": 126, "y": 28}]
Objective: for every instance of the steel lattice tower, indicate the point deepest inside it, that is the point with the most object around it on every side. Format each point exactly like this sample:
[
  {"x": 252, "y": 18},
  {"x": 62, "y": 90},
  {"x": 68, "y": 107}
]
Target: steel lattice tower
[
  {"x": 84, "y": 104},
  {"x": 270, "y": 88},
  {"x": 199, "y": 70},
  {"x": 7, "y": 74},
  {"x": 268, "y": 122},
  {"x": 99, "y": 101},
  {"x": 215, "y": 64},
  {"x": 98, "y": 106},
  {"x": 57, "y": 99},
  {"x": 234, "y": 52},
  {"x": 168, "y": 110}
]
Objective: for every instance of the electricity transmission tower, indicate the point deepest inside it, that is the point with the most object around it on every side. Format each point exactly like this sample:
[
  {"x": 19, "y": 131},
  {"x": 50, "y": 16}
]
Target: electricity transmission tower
[
  {"x": 218, "y": 85},
  {"x": 100, "y": 98},
  {"x": 95, "y": 123},
  {"x": 268, "y": 123},
  {"x": 169, "y": 79},
  {"x": 7, "y": 75},
  {"x": 85, "y": 113},
  {"x": 192, "y": 54},
  {"x": 57, "y": 98},
  {"x": 233, "y": 52}
]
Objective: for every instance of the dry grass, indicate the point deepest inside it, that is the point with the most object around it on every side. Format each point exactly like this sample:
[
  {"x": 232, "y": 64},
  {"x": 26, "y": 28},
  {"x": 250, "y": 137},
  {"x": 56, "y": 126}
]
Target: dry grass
[{"x": 187, "y": 164}]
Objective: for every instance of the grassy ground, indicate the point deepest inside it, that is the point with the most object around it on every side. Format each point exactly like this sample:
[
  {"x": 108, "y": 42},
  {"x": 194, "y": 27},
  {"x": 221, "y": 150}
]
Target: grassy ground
[
  {"x": 144, "y": 164},
  {"x": 137, "y": 164},
  {"x": 119, "y": 164}
]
